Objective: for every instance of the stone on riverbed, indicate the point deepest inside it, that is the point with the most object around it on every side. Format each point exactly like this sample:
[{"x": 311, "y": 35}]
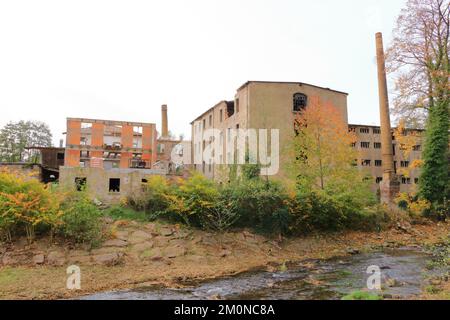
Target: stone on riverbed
[
  {"x": 115, "y": 243},
  {"x": 138, "y": 237},
  {"x": 173, "y": 252},
  {"x": 109, "y": 259},
  {"x": 39, "y": 259}
]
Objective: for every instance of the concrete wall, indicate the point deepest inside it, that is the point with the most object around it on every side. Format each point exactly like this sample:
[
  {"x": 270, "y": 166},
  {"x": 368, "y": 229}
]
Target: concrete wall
[{"x": 97, "y": 181}]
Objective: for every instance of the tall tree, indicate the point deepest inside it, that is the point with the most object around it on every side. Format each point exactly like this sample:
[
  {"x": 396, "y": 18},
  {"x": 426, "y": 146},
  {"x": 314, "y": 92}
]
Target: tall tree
[
  {"x": 420, "y": 58},
  {"x": 322, "y": 153},
  {"x": 15, "y": 137}
]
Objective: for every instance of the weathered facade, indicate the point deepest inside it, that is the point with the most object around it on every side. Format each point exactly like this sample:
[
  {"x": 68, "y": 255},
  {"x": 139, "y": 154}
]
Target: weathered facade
[
  {"x": 110, "y": 159},
  {"x": 369, "y": 145},
  {"x": 274, "y": 105},
  {"x": 257, "y": 105}
]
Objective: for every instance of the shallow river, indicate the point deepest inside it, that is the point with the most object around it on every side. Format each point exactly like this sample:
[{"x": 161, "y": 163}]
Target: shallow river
[{"x": 403, "y": 275}]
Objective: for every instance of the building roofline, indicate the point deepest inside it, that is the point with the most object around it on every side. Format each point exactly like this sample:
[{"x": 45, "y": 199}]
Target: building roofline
[
  {"x": 290, "y": 82},
  {"x": 113, "y": 122},
  {"x": 375, "y": 126},
  {"x": 200, "y": 116}
]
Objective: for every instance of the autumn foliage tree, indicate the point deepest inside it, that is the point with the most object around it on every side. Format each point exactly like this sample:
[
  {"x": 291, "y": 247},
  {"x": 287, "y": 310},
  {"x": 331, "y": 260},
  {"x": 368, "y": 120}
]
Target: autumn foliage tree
[
  {"x": 419, "y": 58},
  {"x": 323, "y": 156}
]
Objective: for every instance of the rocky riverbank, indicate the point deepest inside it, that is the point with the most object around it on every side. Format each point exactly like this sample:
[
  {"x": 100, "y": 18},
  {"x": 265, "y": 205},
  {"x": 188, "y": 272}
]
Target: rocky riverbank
[{"x": 142, "y": 254}]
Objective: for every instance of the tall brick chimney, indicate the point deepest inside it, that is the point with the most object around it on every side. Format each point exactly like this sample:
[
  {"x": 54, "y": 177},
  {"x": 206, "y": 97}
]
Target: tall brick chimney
[
  {"x": 390, "y": 186},
  {"x": 164, "y": 122}
]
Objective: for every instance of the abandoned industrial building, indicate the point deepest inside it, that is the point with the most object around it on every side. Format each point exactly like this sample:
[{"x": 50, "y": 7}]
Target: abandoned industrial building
[
  {"x": 274, "y": 105},
  {"x": 113, "y": 159}
]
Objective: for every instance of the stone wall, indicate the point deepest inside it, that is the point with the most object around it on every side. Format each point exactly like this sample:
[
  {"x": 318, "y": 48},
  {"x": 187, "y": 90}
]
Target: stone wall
[{"x": 98, "y": 181}]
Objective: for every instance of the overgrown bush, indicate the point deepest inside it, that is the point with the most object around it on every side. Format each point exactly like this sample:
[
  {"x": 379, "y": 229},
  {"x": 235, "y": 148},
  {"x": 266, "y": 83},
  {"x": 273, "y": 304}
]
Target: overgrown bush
[
  {"x": 259, "y": 204},
  {"x": 26, "y": 204},
  {"x": 81, "y": 220}
]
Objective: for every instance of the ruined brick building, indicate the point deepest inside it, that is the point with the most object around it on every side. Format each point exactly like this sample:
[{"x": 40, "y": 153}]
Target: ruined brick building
[{"x": 113, "y": 159}]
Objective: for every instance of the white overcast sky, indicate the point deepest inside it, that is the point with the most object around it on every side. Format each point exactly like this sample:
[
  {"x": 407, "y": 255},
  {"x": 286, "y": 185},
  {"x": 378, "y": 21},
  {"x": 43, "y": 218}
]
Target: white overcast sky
[{"x": 121, "y": 60}]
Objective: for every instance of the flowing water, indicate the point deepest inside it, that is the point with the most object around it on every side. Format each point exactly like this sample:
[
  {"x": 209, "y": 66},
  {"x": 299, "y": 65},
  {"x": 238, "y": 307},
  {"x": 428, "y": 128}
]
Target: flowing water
[{"x": 402, "y": 274}]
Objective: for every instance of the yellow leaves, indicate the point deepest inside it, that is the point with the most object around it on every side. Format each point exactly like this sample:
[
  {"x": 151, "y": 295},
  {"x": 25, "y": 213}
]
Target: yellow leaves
[
  {"x": 417, "y": 163},
  {"x": 405, "y": 138}
]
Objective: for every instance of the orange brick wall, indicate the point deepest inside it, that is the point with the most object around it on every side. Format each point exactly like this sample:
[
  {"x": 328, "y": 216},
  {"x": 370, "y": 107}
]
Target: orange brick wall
[
  {"x": 98, "y": 130},
  {"x": 72, "y": 157}
]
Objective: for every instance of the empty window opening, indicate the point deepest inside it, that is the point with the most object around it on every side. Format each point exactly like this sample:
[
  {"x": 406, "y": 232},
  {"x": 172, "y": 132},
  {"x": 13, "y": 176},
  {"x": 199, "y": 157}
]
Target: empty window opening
[
  {"x": 376, "y": 130},
  {"x": 365, "y": 163},
  {"x": 365, "y": 145},
  {"x": 404, "y": 164},
  {"x": 364, "y": 130},
  {"x": 378, "y": 163},
  {"x": 230, "y": 108},
  {"x": 379, "y": 179},
  {"x": 60, "y": 156},
  {"x": 80, "y": 183},
  {"x": 417, "y": 148},
  {"x": 83, "y": 141},
  {"x": 300, "y": 102},
  {"x": 406, "y": 180},
  {"x": 86, "y": 125},
  {"x": 416, "y": 180},
  {"x": 144, "y": 183},
  {"x": 221, "y": 115},
  {"x": 114, "y": 185},
  {"x": 377, "y": 145}
]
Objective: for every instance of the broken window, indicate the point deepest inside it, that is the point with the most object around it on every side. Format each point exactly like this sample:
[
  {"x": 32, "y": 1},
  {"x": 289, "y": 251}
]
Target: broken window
[
  {"x": 378, "y": 163},
  {"x": 379, "y": 179},
  {"x": 364, "y": 130},
  {"x": 300, "y": 101},
  {"x": 80, "y": 183},
  {"x": 114, "y": 185},
  {"x": 365, "y": 145},
  {"x": 377, "y": 145},
  {"x": 86, "y": 125},
  {"x": 406, "y": 180},
  {"x": 60, "y": 156},
  {"x": 404, "y": 164},
  {"x": 144, "y": 183},
  {"x": 161, "y": 148},
  {"x": 365, "y": 163},
  {"x": 376, "y": 130},
  {"x": 230, "y": 108}
]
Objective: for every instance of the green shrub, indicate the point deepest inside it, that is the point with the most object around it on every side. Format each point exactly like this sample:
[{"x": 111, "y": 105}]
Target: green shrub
[
  {"x": 362, "y": 295},
  {"x": 81, "y": 220},
  {"x": 320, "y": 212},
  {"x": 258, "y": 204},
  {"x": 221, "y": 217},
  {"x": 125, "y": 213}
]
